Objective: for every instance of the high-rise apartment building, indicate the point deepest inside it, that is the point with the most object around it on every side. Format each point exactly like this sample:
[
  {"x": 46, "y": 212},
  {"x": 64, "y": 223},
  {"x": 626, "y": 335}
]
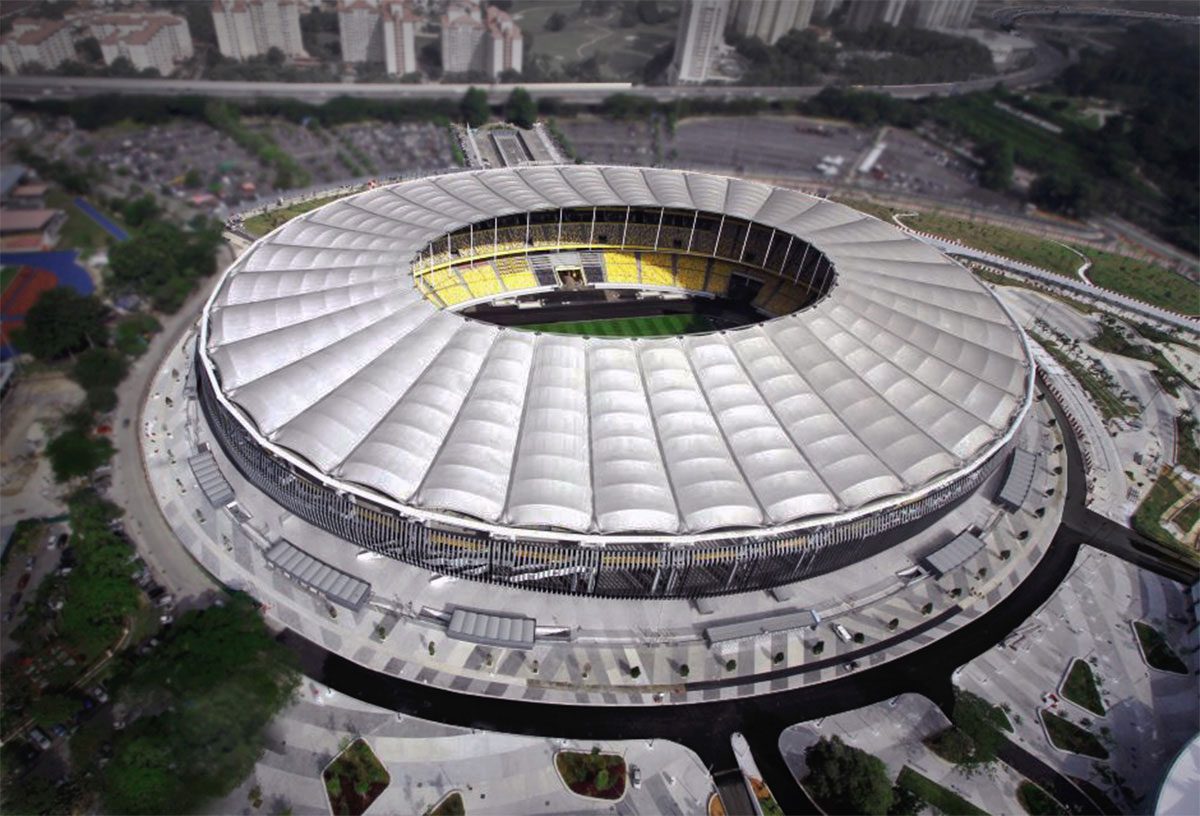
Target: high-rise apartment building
[
  {"x": 399, "y": 38},
  {"x": 379, "y": 31},
  {"x": 462, "y": 37},
  {"x": 503, "y": 44},
  {"x": 699, "y": 40},
  {"x": 360, "y": 27},
  {"x": 46, "y": 43},
  {"x": 943, "y": 15},
  {"x": 251, "y": 28},
  {"x": 769, "y": 20},
  {"x": 862, "y": 14},
  {"x": 147, "y": 40}
]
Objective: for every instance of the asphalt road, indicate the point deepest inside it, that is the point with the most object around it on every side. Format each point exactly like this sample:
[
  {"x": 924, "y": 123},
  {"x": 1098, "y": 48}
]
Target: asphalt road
[
  {"x": 170, "y": 564},
  {"x": 1048, "y": 63}
]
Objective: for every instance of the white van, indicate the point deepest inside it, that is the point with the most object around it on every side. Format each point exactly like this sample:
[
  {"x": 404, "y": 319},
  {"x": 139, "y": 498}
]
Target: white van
[{"x": 842, "y": 632}]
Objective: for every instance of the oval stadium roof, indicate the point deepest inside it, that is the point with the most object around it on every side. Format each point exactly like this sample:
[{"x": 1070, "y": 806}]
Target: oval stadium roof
[{"x": 906, "y": 374}]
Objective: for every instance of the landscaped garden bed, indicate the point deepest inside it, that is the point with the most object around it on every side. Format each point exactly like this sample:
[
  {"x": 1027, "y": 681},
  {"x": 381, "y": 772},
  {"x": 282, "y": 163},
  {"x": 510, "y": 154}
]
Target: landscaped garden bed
[
  {"x": 1080, "y": 688},
  {"x": 1158, "y": 654},
  {"x": 355, "y": 779},
  {"x": 1068, "y": 736},
  {"x": 600, "y": 776},
  {"x": 1036, "y": 802},
  {"x": 945, "y": 800},
  {"x": 451, "y": 805}
]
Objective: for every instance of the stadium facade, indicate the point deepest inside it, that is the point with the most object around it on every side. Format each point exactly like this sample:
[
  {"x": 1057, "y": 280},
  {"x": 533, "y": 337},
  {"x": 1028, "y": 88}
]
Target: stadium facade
[{"x": 341, "y": 370}]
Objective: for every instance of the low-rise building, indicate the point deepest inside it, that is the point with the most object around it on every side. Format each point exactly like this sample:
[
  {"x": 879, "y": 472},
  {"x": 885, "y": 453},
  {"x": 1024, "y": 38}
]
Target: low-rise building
[
  {"x": 33, "y": 44},
  {"x": 30, "y": 229}
]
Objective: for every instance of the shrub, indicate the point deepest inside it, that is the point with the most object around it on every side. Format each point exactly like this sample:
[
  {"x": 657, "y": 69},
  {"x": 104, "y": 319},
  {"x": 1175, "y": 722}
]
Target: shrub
[
  {"x": 730, "y": 664},
  {"x": 684, "y": 669},
  {"x": 635, "y": 672}
]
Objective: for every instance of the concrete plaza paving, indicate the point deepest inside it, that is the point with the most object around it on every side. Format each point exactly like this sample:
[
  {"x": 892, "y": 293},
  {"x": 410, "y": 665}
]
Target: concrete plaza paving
[
  {"x": 1150, "y": 714},
  {"x": 587, "y": 646},
  {"x": 894, "y": 732},
  {"x": 494, "y": 772}
]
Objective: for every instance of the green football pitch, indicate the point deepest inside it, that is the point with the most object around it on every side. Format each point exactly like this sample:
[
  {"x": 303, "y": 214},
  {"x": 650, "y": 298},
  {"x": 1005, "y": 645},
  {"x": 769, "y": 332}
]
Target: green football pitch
[{"x": 656, "y": 326}]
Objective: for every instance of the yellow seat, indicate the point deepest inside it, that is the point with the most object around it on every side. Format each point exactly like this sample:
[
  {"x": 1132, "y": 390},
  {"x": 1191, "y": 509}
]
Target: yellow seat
[
  {"x": 514, "y": 273},
  {"x": 690, "y": 272},
  {"x": 481, "y": 280},
  {"x": 657, "y": 269},
  {"x": 621, "y": 267}
]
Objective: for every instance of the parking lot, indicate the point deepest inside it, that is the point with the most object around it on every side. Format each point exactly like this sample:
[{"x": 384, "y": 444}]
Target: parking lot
[{"x": 788, "y": 148}]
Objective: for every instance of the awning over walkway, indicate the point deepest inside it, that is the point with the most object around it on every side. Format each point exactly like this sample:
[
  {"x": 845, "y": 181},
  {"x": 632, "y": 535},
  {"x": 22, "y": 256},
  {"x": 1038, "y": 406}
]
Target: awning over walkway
[
  {"x": 1019, "y": 481},
  {"x": 215, "y": 486},
  {"x": 339, "y": 587},
  {"x": 510, "y": 631},
  {"x": 942, "y": 560}
]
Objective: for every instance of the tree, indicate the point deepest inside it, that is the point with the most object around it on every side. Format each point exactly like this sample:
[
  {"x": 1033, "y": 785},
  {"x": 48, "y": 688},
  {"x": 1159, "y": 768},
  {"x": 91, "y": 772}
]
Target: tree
[
  {"x": 224, "y": 678},
  {"x": 1065, "y": 193},
  {"x": 520, "y": 108},
  {"x": 844, "y": 779},
  {"x": 981, "y": 722},
  {"x": 140, "y": 210},
  {"x": 73, "y": 454},
  {"x": 89, "y": 49},
  {"x": 474, "y": 107},
  {"x": 556, "y": 22},
  {"x": 997, "y": 157},
  {"x": 62, "y": 322},
  {"x": 952, "y": 745},
  {"x": 99, "y": 368},
  {"x": 53, "y": 708}
]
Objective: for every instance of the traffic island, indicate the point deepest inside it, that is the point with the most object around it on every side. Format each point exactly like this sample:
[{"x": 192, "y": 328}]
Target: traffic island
[
  {"x": 355, "y": 779},
  {"x": 592, "y": 774},
  {"x": 1067, "y": 736},
  {"x": 1155, "y": 650},
  {"x": 450, "y": 805}
]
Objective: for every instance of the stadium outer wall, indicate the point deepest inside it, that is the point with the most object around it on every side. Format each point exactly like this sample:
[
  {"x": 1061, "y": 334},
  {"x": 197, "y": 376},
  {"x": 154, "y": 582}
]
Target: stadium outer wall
[{"x": 651, "y": 570}]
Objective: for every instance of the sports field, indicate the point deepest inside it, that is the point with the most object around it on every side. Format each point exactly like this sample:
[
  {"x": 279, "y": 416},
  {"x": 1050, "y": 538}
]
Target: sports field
[{"x": 656, "y": 326}]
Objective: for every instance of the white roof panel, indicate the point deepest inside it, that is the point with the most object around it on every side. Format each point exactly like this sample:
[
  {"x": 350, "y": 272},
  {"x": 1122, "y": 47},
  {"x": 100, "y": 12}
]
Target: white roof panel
[{"x": 906, "y": 372}]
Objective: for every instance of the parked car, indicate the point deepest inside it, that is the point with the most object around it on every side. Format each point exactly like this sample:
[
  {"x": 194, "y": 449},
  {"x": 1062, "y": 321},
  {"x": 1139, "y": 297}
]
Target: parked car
[
  {"x": 24, "y": 582},
  {"x": 99, "y": 693},
  {"x": 59, "y": 730},
  {"x": 843, "y": 633},
  {"x": 39, "y": 738}
]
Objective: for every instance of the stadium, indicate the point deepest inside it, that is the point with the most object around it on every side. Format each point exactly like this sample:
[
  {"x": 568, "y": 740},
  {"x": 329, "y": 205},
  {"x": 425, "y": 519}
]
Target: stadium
[{"x": 609, "y": 381}]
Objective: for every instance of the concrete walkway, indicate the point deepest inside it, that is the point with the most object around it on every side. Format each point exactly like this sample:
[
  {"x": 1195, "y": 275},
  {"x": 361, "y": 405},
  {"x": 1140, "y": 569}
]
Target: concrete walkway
[
  {"x": 494, "y": 772},
  {"x": 1150, "y": 714}
]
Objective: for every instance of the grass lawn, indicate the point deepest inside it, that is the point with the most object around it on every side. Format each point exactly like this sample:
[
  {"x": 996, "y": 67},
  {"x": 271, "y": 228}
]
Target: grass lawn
[
  {"x": 930, "y": 792},
  {"x": 1036, "y": 802},
  {"x": 1068, "y": 736},
  {"x": 977, "y": 117},
  {"x": 1158, "y": 652},
  {"x": 655, "y": 326},
  {"x": 1144, "y": 281},
  {"x": 1080, "y": 688},
  {"x": 1011, "y": 243},
  {"x": 1185, "y": 433},
  {"x": 1147, "y": 518},
  {"x": 79, "y": 231},
  {"x": 260, "y": 225},
  {"x": 1186, "y": 518}
]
